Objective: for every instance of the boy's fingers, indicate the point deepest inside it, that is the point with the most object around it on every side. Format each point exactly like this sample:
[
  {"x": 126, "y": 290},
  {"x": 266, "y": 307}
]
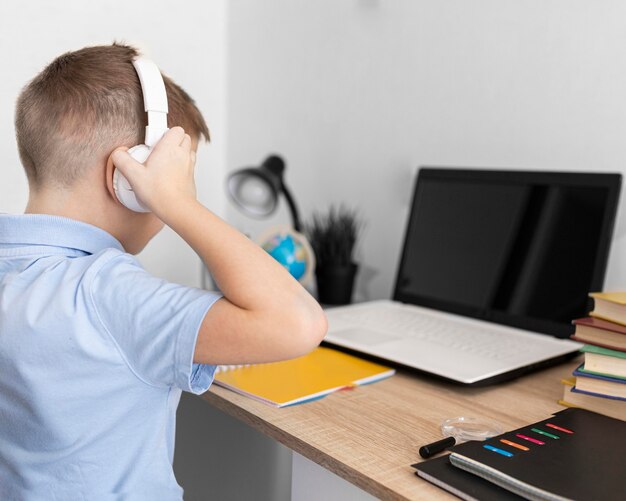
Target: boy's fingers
[
  {"x": 172, "y": 137},
  {"x": 186, "y": 142},
  {"x": 124, "y": 162}
]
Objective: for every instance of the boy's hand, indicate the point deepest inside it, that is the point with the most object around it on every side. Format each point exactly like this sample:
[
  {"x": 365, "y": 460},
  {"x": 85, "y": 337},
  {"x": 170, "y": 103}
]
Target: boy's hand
[
  {"x": 265, "y": 315},
  {"x": 167, "y": 178}
]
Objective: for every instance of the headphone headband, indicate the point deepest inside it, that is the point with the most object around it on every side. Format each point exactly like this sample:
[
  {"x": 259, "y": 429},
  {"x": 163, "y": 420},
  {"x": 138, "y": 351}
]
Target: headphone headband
[
  {"x": 155, "y": 104},
  {"x": 154, "y": 99}
]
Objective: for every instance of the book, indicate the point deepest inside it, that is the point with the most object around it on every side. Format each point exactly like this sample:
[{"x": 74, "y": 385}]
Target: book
[
  {"x": 609, "y": 306},
  {"x": 599, "y": 384},
  {"x": 600, "y": 333},
  {"x": 302, "y": 379},
  {"x": 604, "y": 361},
  {"x": 576, "y": 454},
  {"x": 439, "y": 471},
  {"x": 608, "y": 406},
  {"x": 581, "y": 370}
]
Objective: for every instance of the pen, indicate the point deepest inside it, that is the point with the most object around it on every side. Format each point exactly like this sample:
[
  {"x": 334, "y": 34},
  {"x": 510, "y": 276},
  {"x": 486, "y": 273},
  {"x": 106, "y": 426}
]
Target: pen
[{"x": 429, "y": 450}]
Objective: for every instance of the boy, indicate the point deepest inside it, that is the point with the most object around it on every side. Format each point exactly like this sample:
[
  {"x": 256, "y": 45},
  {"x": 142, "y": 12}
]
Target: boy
[{"x": 94, "y": 351}]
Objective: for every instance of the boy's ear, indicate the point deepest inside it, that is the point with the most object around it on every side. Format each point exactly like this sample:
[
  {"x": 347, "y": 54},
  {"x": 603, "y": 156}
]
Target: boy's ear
[{"x": 109, "y": 170}]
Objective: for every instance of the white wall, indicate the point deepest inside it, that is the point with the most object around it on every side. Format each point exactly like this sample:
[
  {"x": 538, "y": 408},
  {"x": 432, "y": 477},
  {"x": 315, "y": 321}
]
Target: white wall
[
  {"x": 357, "y": 93},
  {"x": 186, "y": 41}
]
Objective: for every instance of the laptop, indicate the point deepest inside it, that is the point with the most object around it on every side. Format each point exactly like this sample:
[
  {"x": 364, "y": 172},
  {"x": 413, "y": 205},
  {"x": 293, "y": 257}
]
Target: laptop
[{"x": 495, "y": 266}]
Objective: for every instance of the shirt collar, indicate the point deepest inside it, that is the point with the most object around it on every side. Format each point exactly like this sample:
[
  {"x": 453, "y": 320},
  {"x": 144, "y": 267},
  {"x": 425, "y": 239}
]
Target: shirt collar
[{"x": 55, "y": 231}]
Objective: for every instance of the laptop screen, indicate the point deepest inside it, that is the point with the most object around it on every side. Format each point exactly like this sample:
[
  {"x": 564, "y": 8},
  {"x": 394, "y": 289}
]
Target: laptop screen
[{"x": 519, "y": 248}]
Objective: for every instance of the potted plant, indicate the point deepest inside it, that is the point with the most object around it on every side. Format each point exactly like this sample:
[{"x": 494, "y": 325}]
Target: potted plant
[{"x": 333, "y": 236}]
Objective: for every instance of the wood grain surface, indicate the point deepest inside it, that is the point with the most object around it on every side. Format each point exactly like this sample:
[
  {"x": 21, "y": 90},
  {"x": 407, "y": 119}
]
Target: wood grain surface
[{"x": 370, "y": 435}]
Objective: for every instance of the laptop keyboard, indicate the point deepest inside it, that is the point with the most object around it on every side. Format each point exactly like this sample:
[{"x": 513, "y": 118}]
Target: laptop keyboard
[{"x": 464, "y": 338}]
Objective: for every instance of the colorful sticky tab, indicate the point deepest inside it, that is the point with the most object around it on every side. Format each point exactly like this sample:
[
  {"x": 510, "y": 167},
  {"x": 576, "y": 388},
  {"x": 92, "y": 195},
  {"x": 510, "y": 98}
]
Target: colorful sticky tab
[
  {"x": 564, "y": 430},
  {"x": 533, "y": 440},
  {"x": 514, "y": 444},
  {"x": 545, "y": 433},
  {"x": 499, "y": 451}
]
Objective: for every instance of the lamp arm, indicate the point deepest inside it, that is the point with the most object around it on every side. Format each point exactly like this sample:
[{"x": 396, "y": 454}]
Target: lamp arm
[{"x": 295, "y": 217}]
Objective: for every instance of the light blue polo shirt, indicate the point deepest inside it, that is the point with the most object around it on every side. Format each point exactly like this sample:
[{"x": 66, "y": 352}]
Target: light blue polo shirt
[{"x": 94, "y": 353}]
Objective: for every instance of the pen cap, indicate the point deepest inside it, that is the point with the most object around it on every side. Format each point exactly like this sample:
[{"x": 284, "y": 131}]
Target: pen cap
[{"x": 429, "y": 450}]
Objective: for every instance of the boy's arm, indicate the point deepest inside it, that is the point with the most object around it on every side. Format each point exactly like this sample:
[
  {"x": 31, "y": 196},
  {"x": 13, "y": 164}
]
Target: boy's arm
[{"x": 266, "y": 315}]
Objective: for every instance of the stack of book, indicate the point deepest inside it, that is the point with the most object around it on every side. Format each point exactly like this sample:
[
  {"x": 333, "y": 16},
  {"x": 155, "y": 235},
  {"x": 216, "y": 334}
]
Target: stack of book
[{"x": 599, "y": 384}]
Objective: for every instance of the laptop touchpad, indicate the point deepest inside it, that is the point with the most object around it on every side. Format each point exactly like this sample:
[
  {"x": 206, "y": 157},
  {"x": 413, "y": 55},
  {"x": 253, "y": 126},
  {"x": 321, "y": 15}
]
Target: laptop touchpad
[{"x": 364, "y": 336}]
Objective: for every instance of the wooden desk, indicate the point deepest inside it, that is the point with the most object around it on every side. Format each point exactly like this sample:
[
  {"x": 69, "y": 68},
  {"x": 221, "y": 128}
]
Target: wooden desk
[{"x": 371, "y": 435}]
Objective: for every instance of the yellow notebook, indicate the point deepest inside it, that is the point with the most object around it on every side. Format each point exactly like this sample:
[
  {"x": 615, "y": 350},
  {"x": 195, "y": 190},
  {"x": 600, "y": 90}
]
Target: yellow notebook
[{"x": 302, "y": 379}]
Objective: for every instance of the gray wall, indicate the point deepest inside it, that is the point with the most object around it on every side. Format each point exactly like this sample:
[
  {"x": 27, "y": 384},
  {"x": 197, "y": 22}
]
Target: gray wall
[
  {"x": 220, "y": 458},
  {"x": 357, "y": 93}
]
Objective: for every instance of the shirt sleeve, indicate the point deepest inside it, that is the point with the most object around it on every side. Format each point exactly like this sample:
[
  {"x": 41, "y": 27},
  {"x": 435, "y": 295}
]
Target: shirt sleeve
[{"x": 154, "y": 323}]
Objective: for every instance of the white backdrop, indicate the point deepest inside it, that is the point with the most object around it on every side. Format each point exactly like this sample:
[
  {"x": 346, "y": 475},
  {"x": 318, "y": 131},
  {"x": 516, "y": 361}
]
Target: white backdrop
[
  {"x": 187, "y": 42},
  {"x": 355, "y": 94}
]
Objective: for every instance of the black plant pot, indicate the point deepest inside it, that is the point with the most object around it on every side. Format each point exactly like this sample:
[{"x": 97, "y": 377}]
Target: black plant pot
[{"x": 335, "y": 283}]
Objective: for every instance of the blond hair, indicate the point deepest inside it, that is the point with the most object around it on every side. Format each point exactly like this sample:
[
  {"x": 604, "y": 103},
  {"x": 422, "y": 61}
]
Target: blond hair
[{"x": 82, "y": 106}]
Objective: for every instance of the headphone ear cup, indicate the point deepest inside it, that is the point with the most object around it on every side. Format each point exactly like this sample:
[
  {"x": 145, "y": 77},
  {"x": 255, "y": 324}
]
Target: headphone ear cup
[{"x": 123, "y": 190}]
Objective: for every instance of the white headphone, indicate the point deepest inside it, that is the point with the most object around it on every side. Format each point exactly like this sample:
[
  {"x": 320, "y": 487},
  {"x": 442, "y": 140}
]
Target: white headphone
[{"x": 155, "y": 104}]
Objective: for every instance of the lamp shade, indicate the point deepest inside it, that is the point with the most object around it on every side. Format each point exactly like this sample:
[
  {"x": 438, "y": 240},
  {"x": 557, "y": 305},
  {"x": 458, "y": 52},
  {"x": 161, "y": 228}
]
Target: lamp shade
[{"x": 256, "y": 189}]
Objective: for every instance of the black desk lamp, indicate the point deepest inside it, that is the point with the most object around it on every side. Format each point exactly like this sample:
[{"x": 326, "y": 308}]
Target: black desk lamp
[{"x": 256, "y": 189}]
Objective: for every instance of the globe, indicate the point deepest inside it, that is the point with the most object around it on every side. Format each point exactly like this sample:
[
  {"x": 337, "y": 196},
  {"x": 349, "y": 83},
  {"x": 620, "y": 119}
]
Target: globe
[{"x": 291, "y": 249}]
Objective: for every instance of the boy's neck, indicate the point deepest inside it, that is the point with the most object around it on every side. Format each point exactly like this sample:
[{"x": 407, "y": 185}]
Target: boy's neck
[
  {"x": 90, "y": 203},
  {"x": 78, "y": 204}
]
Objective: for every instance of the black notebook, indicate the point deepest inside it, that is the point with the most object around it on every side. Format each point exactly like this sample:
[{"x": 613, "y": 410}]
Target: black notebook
[
  {"x": 439, "y": 471},
  {"x": 576, "y": 454}
]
